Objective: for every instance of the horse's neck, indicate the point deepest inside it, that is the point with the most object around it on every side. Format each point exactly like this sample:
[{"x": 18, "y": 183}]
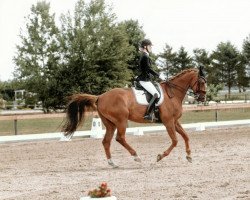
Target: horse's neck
[{"x": 182, "y": 84}]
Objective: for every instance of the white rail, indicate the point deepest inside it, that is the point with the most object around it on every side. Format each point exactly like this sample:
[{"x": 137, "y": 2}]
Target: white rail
[{"x": 95, "y": 133}]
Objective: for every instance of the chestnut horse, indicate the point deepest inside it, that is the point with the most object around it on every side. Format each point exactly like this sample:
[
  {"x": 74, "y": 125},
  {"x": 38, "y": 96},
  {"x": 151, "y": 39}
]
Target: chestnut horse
[{"x": 117, "y": 106}]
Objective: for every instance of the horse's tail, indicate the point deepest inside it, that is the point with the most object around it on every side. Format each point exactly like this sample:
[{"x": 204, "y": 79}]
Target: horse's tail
[{"x": 78, "y": 104}]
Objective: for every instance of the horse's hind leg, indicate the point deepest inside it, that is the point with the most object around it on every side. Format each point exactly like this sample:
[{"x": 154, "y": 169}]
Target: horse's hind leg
[
  {"x": 110, "y": 129},
  {"x": 184, "y": 135},
  {"x": 120, "y": 137}
]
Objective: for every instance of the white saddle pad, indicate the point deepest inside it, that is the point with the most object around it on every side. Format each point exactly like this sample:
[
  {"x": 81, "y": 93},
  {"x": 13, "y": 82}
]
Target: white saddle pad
[{"x": 141, "y": 97}]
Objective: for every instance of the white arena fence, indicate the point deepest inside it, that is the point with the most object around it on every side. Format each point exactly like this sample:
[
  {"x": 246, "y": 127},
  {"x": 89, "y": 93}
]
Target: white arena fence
[{"x": 98, "y": 132}]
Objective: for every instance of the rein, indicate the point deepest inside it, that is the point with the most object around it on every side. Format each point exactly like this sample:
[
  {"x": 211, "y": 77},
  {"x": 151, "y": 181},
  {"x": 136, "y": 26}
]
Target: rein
[
  {"x": 196, "y": 93},
  {"x": 176, "y": 86}
]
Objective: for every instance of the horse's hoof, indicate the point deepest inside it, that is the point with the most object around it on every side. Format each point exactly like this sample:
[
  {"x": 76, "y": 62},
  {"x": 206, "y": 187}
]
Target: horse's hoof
[
  {"x": 189, "y": 158},
  {"x": 110, "y": 162},
  {"x": 113, "y": 165},
  {"x": 159, "y": 157},
  {"x": 137, "y": 159}
]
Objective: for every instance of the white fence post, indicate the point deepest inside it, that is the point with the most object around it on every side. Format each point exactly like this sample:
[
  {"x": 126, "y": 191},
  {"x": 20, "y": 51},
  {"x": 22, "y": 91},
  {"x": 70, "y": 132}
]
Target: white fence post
[
  {"x": 96, "y": 128},
  {"x": 138, "y": 131},
  {"x": 200, "y": 127}
]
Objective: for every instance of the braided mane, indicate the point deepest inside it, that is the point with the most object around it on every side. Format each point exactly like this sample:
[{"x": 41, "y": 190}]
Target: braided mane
[{"x": 182, "y": 72}]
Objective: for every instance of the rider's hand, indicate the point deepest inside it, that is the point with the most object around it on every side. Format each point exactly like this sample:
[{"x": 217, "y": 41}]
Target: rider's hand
[{"x": 162, "y": 79}]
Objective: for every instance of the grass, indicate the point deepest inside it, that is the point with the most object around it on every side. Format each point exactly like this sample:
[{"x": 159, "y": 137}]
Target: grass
[
  {"x": 234, "y": 96},
  {"x": 33, "y": 126},
  {"x": 210, "y": 115},
  {"x": 48, "y": 125}
]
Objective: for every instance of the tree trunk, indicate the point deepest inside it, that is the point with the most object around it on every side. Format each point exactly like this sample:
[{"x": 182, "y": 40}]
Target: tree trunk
[{"x": 229, "y": 92}]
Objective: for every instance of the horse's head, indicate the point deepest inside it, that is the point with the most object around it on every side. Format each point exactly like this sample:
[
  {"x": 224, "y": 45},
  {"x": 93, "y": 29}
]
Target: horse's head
[{"x": 199, "y": 86}]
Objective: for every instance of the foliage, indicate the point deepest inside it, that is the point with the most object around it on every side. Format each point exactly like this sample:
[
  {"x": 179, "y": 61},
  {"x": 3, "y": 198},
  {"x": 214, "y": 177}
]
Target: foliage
[
  {"x": 212, "y": 92},
  {"x": 246, "y": 57},
  {"x": 167, "y": 60},
  {"x": 246, "y": 48},
  {"x": 224, "y": 64},
  {"x": 2, "y": 103},
  {"x": 202, "y": 58},
  {"x": 174, "y": 62},
  {"x": 95, "y": 48},
  {"x": 37, "y": 56},
  {"x": 7, "y": 89},
  {"x": 183, "y": 60},
  {"x": 30, "y": 100},
  {"x": 135, "y": 34},
  {"x": 242, "y": 77},
  {"x": 90, "y": 53}
]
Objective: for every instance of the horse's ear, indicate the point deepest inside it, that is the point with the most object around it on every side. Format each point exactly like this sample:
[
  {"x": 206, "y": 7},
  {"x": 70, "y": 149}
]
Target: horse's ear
[{"x": 201, "y": 71}]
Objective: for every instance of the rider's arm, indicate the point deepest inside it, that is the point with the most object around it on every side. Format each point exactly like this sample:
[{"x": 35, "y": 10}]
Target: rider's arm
[{"x": 153, "y": 72}]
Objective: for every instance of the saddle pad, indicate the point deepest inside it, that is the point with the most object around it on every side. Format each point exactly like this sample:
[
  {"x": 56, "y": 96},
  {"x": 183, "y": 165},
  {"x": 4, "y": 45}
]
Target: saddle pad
[{"x": 141, "y": 99}]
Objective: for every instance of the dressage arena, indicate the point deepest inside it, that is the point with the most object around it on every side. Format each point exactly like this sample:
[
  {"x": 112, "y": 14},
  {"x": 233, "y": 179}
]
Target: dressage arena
[{"x": 67, "y": 170}]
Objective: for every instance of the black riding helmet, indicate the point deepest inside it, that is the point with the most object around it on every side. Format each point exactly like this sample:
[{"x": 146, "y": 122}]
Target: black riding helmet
[{"x": 145, "y": 42}]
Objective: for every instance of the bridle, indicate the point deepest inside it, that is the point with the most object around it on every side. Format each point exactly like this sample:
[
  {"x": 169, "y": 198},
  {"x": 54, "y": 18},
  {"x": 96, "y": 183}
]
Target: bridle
[{"x": 198, "y": 93}]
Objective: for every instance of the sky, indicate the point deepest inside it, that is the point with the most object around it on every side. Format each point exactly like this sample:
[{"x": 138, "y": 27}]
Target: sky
[{"x": 188, "y": 23}]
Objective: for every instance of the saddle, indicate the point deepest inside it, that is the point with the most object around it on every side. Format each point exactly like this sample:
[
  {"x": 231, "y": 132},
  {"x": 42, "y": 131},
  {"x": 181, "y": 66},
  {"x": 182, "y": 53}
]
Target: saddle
[{"x": 143, "y": 97}]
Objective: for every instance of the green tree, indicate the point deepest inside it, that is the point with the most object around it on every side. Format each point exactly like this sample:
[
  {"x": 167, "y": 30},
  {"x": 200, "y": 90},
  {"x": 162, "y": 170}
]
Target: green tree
[
  {"x": 225, "y": 62},
  {"x": 201, "y": 57},
  {"x": 246, "y": 57},
  {"x": 7, "y": 89},
  {"x": 95, "y": 48},
  {"x": 135, "y": 34},
  {"x": 246, "y": 48},
  {"x": 168, "y": 61},
  {"x": 37, "y": 56},
  {"x": 183, "y": 61},
  {"x": 212, "y": 92},
  {"x": 241, "y": 69}
]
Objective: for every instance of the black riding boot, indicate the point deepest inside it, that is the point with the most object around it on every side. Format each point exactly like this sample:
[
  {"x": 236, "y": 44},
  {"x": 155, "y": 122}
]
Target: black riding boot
[{"x": 149, "y": 113}]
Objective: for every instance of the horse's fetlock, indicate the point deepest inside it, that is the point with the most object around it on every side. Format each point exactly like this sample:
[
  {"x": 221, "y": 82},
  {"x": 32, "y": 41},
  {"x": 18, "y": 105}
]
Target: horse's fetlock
[
  {"x": 104, "y": 142},
  {"x": 118, "y": 139},
  {"x": 175, "y": 142}
]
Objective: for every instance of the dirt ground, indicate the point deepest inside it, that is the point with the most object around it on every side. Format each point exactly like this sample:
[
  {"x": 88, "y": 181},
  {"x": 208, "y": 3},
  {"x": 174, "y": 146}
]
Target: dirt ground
[{"x": 67, "y": 170}]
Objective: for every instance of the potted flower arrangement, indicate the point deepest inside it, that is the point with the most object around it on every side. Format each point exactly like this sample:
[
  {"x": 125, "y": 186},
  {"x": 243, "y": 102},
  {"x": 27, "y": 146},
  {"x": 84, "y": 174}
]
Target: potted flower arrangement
[{"x": 102, "y": 192}]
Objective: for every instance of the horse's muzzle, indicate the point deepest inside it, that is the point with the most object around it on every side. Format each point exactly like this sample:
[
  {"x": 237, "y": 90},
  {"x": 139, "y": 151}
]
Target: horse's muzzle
[{"x": 200, "y": 97}]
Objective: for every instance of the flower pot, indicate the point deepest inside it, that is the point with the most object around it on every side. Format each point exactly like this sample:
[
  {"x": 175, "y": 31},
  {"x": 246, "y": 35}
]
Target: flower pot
[{"x": 102, "y": 198}]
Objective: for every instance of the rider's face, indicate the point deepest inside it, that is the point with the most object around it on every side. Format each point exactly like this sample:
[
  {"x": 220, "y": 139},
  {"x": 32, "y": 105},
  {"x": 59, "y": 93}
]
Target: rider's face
[{"x": 149, "y": 48}]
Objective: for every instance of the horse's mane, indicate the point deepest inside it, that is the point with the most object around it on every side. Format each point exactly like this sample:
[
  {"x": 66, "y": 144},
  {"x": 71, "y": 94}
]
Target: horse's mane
[{"x": 182, "y": 72}]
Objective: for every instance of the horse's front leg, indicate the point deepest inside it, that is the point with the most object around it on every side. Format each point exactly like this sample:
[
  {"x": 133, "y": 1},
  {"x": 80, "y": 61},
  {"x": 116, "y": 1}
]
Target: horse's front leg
[
  {"x": 184, "y": 135},
  {"x": 172, "y": 134}
]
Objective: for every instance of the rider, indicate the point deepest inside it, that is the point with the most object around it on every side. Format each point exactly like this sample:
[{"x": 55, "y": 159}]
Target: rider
[{"x": 145, "y": 77}]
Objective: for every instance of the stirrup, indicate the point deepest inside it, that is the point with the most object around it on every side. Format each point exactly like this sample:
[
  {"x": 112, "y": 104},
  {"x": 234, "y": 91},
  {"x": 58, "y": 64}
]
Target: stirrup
[
  {"x": 151, "y": 117},
  {"x": 148, "y": 117}
]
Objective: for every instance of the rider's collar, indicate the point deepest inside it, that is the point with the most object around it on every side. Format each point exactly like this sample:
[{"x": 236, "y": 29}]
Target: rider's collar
[{"x": 146, "y": 52}]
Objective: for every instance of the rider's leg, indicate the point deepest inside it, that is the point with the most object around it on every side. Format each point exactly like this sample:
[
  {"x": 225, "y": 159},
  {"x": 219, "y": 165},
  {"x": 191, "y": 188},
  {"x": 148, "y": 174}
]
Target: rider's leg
[
  {"x": 153, "y": 91},
  {"x": 149, "y": 113}
]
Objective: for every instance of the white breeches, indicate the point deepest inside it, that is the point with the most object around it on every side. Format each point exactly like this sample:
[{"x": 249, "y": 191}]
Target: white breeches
[{"x": 149, "y": 87}]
